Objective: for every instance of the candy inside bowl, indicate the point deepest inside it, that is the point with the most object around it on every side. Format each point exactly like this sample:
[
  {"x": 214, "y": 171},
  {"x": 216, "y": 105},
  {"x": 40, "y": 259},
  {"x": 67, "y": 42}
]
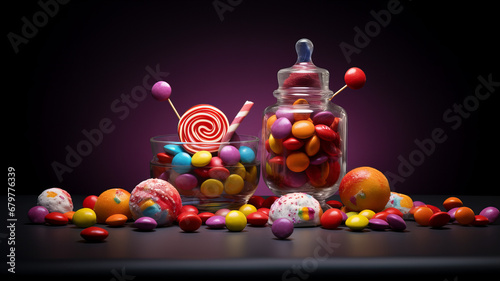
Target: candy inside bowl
[{"x": 217, "y": 175}]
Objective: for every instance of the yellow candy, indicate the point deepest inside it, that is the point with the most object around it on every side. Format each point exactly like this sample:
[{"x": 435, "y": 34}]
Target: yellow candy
[
  {"x": 236, "y": 221},
  {"x": 84, "y": 217},
  {"x": 247, "y": 209},
  {"x": 146, "y": 204},
  {"x": 239, "y": 169},
  {"x": 276, "y": 145},
  {"x": 234, "y": 184},
  {"x": 350, "y": 214},
  {"x": 356, "y": 222},
  {"x": 201, "y": 158},
  {"x": 367, "y": 213},
  {"x": 212, "y": 188},
  {"x": 312, "y": 145}
]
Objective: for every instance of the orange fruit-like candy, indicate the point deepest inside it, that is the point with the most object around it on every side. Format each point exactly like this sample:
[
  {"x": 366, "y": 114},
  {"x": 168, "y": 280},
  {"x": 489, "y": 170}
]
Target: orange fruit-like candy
[{"x": 110, "y": 202}]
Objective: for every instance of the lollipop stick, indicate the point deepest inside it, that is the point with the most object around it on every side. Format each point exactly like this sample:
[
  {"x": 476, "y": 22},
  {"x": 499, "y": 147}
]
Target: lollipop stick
[
  {"x": 173, "y": 107},
  {"x": 337, "y": 92},
  {"x": 237, "y": 120}
]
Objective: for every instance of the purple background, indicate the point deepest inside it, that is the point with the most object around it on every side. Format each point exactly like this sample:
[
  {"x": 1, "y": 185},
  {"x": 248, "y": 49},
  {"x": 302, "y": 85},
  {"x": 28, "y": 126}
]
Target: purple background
[{"x": 81, "y": 62}]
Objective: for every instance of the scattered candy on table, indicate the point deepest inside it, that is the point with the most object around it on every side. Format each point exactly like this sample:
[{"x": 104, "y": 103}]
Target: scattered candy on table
[
  {"x": 56, "y": 218},
  {"x": 37, "y": 214},
  {"x": 110, "y": 202},
  {"x": 235, "y": 221},
  {"x": 282, "y": 228},
  {"x": 94, "y": 234},
  {"x": 145, "y": 223},
  {"x": 84, "y": 217}
]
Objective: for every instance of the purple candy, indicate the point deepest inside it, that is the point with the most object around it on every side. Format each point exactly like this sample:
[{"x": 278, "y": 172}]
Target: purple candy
[
  {"x": 451, "y": 212},
  {"x": 295, "y": 180},
  {"x": 286, "y": 113},
  {"x": 323, "y": 117},
  {"x": 281, "y": 128},
  {"x": 145, "y": 223},
  {"x": 318, "y": 159},
  {"x": 37, "y": 214},
  {"x": 282, "y": 228},
  {"x": 186, "y": 182},
  {"x": 491, "y": 213},
  {"x": 396, "y": 222},
  {"x": 161, "y": 91},
  {"x": 216, "y": 222},
  {"x": 418, "y": 203},
  {"x": 230, "y": 155},
  {"x": 378, "y": 224}
]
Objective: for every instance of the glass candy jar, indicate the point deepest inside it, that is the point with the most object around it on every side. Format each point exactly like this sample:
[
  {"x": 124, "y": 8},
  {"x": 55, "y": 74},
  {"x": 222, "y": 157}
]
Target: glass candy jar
[{"x": 304, "y": 134}]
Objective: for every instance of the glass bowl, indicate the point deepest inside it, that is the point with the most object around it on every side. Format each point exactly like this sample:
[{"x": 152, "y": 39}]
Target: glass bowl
[{"x": 210, "y": 186}]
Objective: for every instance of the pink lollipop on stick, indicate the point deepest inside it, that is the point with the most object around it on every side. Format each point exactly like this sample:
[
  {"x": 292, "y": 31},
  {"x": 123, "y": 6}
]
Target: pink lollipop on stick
[
  {"x": 237, "y": 120},
  {"x": 161, "y": 91},
  {"x": 354, "y": 78}
]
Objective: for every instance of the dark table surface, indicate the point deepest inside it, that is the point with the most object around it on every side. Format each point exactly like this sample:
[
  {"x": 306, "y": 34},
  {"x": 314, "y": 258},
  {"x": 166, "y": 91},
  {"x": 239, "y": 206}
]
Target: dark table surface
[{"x": 451, "y": 252}]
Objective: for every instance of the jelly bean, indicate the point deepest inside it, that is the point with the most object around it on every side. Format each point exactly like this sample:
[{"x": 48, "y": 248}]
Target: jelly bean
[
  {"x": 94, "y": 234},
  {"x": 331, "y": 218},
  {"x": 491, "y": 213},
  {"x": 439, "y": 219},
  {"x": 299, "y": 108},
  {"x": 164, "y": 158},
  {"x": 56, "y": 218},
  {"x": 116, "y": 220},
  {"x": 236, "y": 221},
  {"x": 303, "y": 129},
  {"x": 89, "y": 201},
  {"x": 201, "y": 158},
  {"x": 84, "y": 217},
  {"x": 234, "y": 184},
  {"x": 282, "y": 228},
  {"x": 257, "y": 218},
  {"x": 269, "y": 201},
  {"x": 186, "y": 182},
  {"x": 247, "y": 209},
  {"x": 181, "y": 163},
  {"x": 396, "y": 222},
  {"x": 334, "y": 204},
  {"x": 190, "y": 222},
  {"x": 276, "y": 145},
  {"x": 297, "y": 161},
  {"x": 256, "y": 201},
  {"x": 37, "y": 214},
  {"x": 464, "y": 215},
  {"x": 189, "y": 209},
  {"x": 356, "y": 222},
  {"x": 312, "y": 145},
  {"x": 173, "y": 149},
  {"x": 323, "y": 117},
  {"x": 325, "y": 132},
  {"x": 216, "y": 222},
  {"x": 292, "y": 143},
  {"x": 219, "y": 173},
  {"x": 393, "y": 210},
  {"x": 281, "y": 128},
  {"x": 247, "y": 154},
  {"x": 230, "y": 155},
  {"x": 378, "y": 224},
  {"x": 452, "y": 202},
  {"x": 422, "y": 215},
  {"x": 212, "y": 188},
  {"x": 145, "y": 223},
  {"x": 222, "y": 212},
  {"x": 480, "y": 220},
  {"x": 367, "y": 213},
  {"x": 205, "y": 216}
]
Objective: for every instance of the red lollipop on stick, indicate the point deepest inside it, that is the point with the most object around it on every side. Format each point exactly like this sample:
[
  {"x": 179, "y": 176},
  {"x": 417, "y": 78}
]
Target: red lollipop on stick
[
  {"x": 354, "y": 78},
  {"x": 161, "y": 91}
]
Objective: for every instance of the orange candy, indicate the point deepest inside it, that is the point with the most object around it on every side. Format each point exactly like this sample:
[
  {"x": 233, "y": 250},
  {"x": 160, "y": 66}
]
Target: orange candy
[
  {"x": 116, "y": 220},
  {"x": 297, "y": 162},
  {"x": 300, "y": 116},
  {"x": 464, "y": 215},
  {"x": 452, "y": 202},
  {"x": 423, "y": 215},
  {"x": 303, "y": 129},
  {"x": 110, "y": 202}
]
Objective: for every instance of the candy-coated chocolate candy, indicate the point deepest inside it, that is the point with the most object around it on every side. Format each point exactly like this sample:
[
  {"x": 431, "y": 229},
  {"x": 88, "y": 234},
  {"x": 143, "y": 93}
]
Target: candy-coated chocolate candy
[
  {"x": 173, "y": 149},
  {"x": 393, "y": 210},
  {"x": 181, "y": 163},
  {"x": 331, "y": 218},
  {"x": 89, "y": 201},
  {"x": 418, "y": 203},
  {"x": 264, "y": 210},
  {"x": 84, "y": 217},
  {"x": 201, "y": 158},
  {"x": 433, "y": 208},
  {"x": 164, "y": 158},
  {"x": 318, "y": 159},
  {"x": 247, "y": 209},
  {"x": 396, "y": 222},
  {"x": 212, "y": 188},
  {"x": 161, "y": 91},
  {"x": 276, "y": 145},
  {"x": 257, "y": 218},
  {"x": 350, "y": 214},
  {"x": 422, "y": 215},
  {"x": 269, "y": 201},
  {"x": 256, "y": 201},
  {"x": 219, "y": 173},
  {"x": 355, "y": 78},
  {"x": 491, "y": 213},
  {"x": 186, "y": 181},
  {"x": 300, "y": 110},
  {"x": 312, "y": 145},
  {"x": 234, "y": 184},
  {"x": 334, "y": 204},
  {"x": 145, "y": 223},
  {"x": 247, "y": 155},
  {"x": 282, "y": 228},
  {"x": 190, "y": 222},
  {"x": 325, "y": 132},
  {"x": 116, "y": 220},
  {"x": 295, "y": 180},
  {"x": 279, "y": 160},
  {"x": 330, "y": 148},
  {"x": 335, "y": 124},
  {"x": 230, "y": 155},
  {"x": 452, "y": 213},
  {"x": 56, "y": 218},
  {"x": 189, "y": 209},
  {"x": 318, "y": 174},
  {"x": 292, "y": 143},
  {"x": 480, "y": 220},
  {"x": 239, "y": 170},
  {"x": 222, "y": 212},
  {"x": 367, "y": 213},
  {"x": 286, "y": 113},
  {"x": 281, "y": 128},
  {"x": 357, "y": 222},
  {"x": 378, "y": 224},
  {"x": 452, "y": 202},
  {"x": 37, "y": 214},
  {"x": 439, "y": 219},
  {"x": 323, "y": 117},
  {"x": 303, "y": 129},
  {"x": 236, "y": 221},
  {"x": 69, "y": 215},
  {"x": 381, "y": 216},
  {"x": 94, "y": 234},
  {"x": 464, "y": 215},
  {"x": 270, "y": 121},
  {"x": 205, "y": 216},
  {"x": 297, "y": 161},
  {"x": 216, "y": 222}
]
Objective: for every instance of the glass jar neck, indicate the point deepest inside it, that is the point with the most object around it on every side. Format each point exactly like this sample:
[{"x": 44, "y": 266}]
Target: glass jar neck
[{"x": 289, "y": 96}]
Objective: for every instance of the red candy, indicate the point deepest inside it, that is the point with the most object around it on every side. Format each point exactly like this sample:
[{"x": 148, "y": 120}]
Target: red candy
[
  {"x": 433, "y": 208},
  {"x": 205, "y": 216},
  {"x": 89, "y": 202},
  {"x": 94, "y": 234},
  {"x": 334, "y": 204},
  {"x": 355, "y": 78},
  {"x": 257, "y": 218},
  {"x": 269, "y": 201},
  {"x": 480, "y": 220},
  {"x": 325, "y": 133},
  {"x": 189, "y": 209},
  {"x": 292, "y": 143},
  {"x": 256, "y": 201},
  {"x": 164, "y": 158},
  {"x": 56, "y": 218},
  {"x": 331, "y": 219},
  {"x": 395, "y": 211},
  {"x": 190, "y": 222},
  {"x": 439, "y": 219}
]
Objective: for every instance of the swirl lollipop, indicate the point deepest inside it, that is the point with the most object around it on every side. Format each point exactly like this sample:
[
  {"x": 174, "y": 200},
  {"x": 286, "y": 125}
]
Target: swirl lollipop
[
  {"x": 202, "y": 123},
  {"x": 354, "y": 78}
]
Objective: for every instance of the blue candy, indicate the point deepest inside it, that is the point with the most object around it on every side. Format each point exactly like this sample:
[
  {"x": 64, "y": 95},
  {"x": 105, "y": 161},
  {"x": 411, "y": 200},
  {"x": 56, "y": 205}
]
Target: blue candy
[
  {"x": 181, "y": 163},
  {"x": 173, "y": 149},
  {"x": 247, "y": 155}
]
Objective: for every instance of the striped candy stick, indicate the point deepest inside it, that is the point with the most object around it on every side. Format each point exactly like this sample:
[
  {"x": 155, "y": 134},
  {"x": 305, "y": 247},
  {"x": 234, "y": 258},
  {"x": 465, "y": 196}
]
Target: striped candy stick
[{"x": 236, "y": 122}]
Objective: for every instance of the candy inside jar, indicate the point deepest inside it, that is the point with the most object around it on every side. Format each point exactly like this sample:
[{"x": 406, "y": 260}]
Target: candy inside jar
[{"x": 304, "y": 134}]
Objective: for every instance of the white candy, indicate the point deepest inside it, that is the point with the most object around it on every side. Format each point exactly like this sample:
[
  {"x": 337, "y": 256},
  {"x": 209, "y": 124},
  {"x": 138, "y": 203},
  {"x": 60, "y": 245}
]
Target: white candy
[
  {"x": 55, "y": 200},
  {"x": 302, "y": 209}
]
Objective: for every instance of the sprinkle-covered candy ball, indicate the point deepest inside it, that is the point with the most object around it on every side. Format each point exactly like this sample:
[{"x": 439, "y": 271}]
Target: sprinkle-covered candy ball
[
  {"x": 301, "y": 208},
  {"x": 157, "y": 199},
  {"x": 56, "y": 200}
]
